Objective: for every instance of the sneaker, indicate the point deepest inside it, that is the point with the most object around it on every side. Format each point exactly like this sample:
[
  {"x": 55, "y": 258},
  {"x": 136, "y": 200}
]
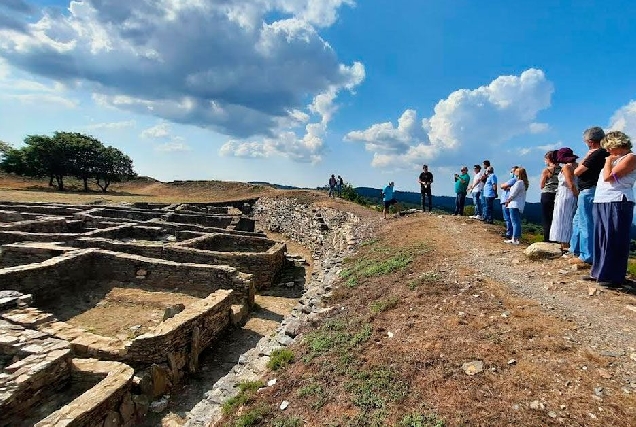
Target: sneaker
[
  {"x": 588, "y": 278},
  {"x": 515, "y": 242},
  {"x": 510, "y": 241}
]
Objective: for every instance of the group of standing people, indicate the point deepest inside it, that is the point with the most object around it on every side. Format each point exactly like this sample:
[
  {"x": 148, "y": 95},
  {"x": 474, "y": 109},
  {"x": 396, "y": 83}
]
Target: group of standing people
[
  {"x": 588, "y": 206},
  {"x": 335, "y": 186}
]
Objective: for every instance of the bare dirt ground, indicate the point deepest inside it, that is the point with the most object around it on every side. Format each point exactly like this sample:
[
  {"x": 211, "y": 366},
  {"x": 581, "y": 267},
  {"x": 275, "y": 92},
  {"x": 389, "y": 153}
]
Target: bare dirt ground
[
  {"x": 119, "y": 312},
  {"x": 429, "y": 296}
]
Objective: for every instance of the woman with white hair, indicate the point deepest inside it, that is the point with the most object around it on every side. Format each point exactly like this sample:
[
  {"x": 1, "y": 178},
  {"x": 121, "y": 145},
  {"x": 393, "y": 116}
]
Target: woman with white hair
[{"x": 613, "y": 211}]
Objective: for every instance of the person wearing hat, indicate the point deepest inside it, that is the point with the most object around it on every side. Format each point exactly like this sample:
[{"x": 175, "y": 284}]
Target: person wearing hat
[
  {"x": 388, "y": 197},
  {"x": 565, "y": 200},
  {"x": 613, "y": 211},
  {"x": 587, "y": 173}
]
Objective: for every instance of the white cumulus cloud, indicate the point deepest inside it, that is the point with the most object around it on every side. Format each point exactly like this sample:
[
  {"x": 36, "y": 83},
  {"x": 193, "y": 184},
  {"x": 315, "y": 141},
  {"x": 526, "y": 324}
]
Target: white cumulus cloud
[
  {"x": 468, "y": 120},
  {"x": 293, "y": 138},
  {"x": 624, "y": 119},
  {"x": 243, "y": 69},
  {"x": 162, "y": 130},
  {"x": 112, "y": 125}
]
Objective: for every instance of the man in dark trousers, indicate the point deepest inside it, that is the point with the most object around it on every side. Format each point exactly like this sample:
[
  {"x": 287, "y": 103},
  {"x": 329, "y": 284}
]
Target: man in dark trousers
[{"x": 426, "y": 179}]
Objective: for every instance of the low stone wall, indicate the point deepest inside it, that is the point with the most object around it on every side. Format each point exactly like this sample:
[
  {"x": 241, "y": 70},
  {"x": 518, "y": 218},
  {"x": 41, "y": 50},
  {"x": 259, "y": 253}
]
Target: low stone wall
[
  {"x": 27, "y": 253},
  {"x": 218, "y": 221},
  {"x": 109, "y": 403},
  {"x": 180, "y": 340},
  {"x": 41, "y": 225},
  {"x": 47, "y": 279},
  {"x": 42, "y": 208},
  {"x": 70, "y": 272},
  {"x": 176, "y": 227},
  {"x": 21, "y": 236},
  {"x": 198, "y": 278},
  {"x": 34, "y": 365},
  {"x": 228, "y": 243},
  {"x": 129, "y": 231},
  {"x": 265, "y": 267}
]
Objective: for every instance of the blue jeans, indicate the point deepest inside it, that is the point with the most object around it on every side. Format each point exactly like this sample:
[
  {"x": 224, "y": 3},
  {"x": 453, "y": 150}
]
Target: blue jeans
[
  {"x": 488, "y": 209},
  {"x": 515, "y": 219},
  {"x": 582, "y": 241},
  {"x": 477, "y": 203},
  {"x": 460, "y": 200},
  {"x": 506, "y": 217}
]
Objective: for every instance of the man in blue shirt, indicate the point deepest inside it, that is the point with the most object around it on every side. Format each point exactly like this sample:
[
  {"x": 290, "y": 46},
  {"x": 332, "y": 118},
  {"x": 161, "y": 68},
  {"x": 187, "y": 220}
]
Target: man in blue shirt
[{"x": 388, "y": 197}]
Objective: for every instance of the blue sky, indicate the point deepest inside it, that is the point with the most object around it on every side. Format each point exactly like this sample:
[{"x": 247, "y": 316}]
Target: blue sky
[{"x": 290, "y": 91}]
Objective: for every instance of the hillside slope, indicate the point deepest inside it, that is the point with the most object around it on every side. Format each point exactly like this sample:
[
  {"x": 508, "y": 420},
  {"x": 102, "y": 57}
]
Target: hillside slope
[{"x": 437, "y": 322}]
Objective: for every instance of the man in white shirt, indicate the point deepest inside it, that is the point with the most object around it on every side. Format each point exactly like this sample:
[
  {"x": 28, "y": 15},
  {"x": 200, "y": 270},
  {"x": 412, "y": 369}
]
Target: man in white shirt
[{"x": 475, "y": 189}]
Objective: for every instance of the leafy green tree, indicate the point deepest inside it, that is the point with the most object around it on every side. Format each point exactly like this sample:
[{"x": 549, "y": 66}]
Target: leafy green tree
[
  {"x": 349, "y": 193},
  {"x": 83, "y": 154},
  {"x": 67, "y": 154},
  {"x": 47, "y": 156},
  {"x": 112, "y": 166}
]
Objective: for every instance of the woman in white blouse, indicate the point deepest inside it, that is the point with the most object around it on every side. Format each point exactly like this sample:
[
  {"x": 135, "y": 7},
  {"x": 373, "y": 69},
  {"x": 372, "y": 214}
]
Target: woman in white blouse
[
  {"x": 516, "y": 202},
  {"x": 613, "y": 211}
]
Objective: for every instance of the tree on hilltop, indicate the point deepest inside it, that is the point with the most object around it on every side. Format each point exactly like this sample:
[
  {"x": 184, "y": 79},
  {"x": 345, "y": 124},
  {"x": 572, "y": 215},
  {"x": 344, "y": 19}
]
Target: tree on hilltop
[
  {"x": 112, "y": 166},
  {"x": 67, "y": 154}
]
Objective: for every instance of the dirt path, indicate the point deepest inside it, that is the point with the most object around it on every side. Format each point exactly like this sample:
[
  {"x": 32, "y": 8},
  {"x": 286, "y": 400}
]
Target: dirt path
[{"x": 604, "y": 321}]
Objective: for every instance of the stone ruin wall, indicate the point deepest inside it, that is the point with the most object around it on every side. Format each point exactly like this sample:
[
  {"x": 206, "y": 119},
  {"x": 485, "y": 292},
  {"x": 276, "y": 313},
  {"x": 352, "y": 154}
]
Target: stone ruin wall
[
  {"x": 48, "y": 261},
  {"x": 37, "y": 366}
]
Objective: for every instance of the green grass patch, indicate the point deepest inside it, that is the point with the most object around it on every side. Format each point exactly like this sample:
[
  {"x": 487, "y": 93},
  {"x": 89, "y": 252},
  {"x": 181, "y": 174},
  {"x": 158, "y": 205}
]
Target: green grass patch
[
  {"x": 372, "y": 390},
  {"x": 252, "y": 417},
  {"x": 246, "y": 391},
  {"x": 631, "y": 267},
  {"x": 280, "y": 358},
  {"x": 313, "y": 391},
  {"x": 370, "y": 242},
  {"x": 421, "y": 420},
  {"x": 384, "y": 304},
  {"x": 391, "y": 260},
  {"x": 336, "y": 336}
]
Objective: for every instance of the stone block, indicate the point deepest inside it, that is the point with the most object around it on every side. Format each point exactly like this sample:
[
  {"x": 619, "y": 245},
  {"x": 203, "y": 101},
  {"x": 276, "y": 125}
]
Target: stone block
[{"x": 239, "y": 314}]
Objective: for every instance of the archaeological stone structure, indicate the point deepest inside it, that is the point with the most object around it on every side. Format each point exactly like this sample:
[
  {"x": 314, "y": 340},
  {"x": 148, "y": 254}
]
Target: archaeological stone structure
[{"x": 104, "y": 309}]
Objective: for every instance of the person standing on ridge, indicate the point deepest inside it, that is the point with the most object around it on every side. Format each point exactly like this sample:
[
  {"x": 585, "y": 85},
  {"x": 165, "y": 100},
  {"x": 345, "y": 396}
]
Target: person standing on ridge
[
  {"x": 388, "y": 197},
  {"x": 614, "y": 211},
  {"x": 476, "y": 188},
  {"x": 506, "y": 186},
  {"x": 587, "y": 172},
  {"x": 461, "y": 186},
  {"x": 549, "y": 184},
  {"x": 426, "y": 179},
  {"x": 332, "y": 186},
  {"x": 340, "y": 185},
  {"x": 489, "y": 194},
  {"x": 565, "y": 200}
]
